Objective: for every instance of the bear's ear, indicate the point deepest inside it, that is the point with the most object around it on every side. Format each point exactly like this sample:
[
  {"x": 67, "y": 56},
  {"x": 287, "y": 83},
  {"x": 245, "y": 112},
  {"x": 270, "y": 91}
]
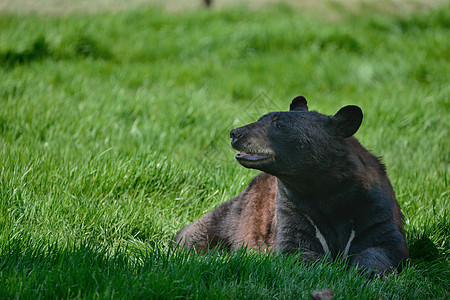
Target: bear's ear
[
  {"x": 299, "y": 103},
  {"x": 346, "y": 121}
]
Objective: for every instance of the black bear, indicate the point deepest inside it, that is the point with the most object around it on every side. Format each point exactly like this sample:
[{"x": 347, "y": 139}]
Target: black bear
[{"x": 320, "y": 192}]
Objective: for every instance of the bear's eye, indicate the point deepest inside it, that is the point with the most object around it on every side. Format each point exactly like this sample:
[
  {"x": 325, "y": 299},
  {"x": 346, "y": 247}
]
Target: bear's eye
[{"x": 278, "y": 124}]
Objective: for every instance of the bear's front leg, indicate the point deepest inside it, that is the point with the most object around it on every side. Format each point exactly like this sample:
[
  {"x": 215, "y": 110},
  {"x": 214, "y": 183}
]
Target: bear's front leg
[
  {"x": 290, "y": 240},
  {"x": 201, "y": 235},
  {"x": 292, "y": 248},
  {"x": 373, "y": 261},
  {"x": 296, "y": 231}
]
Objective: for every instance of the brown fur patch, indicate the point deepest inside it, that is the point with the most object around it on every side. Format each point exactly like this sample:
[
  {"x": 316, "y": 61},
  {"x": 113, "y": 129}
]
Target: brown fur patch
[{"x": 255, "y": 229}]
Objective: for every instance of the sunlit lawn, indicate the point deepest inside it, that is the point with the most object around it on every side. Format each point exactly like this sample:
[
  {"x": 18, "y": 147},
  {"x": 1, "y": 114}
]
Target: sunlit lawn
[{"x": 114, "y": 134}]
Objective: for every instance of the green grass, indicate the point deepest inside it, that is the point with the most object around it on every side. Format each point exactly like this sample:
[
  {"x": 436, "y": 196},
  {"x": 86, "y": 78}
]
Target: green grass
[{"x": 114, "y": 134}]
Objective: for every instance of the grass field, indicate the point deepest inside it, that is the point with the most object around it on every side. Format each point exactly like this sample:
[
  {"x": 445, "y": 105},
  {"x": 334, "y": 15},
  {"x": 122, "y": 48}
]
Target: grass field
[{"x": 114, "y": 134}]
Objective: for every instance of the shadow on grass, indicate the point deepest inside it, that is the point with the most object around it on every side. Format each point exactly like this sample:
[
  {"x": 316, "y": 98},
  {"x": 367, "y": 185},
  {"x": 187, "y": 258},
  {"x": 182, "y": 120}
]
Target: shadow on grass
[
  {"x": 80, "y": 47},
  {"x": 431, "y": 243},
  {"x": 38, "y": 270},
  {"x": 38, "y": 51}
]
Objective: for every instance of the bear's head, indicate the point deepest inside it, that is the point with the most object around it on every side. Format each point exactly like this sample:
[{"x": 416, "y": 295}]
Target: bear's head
[{"x": 296, "y": 142}]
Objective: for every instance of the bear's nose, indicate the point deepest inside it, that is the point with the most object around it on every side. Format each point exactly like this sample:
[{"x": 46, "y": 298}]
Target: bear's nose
[{"x": 234, "y": 134}]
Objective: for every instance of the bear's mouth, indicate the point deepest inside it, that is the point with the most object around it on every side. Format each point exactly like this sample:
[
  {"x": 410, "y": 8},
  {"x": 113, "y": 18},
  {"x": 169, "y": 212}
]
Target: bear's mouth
[{"x": 252, "y": 157}]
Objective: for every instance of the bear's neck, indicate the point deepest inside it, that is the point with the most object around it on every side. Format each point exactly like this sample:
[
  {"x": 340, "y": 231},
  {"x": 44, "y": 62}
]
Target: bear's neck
[
  {"x": 316, "y": 186},
  {"x": 312, "y": 199}
]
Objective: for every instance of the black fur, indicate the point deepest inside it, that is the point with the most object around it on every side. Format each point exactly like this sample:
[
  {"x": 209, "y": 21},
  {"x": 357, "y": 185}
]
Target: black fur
[{"x": 320, "y": 192}]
